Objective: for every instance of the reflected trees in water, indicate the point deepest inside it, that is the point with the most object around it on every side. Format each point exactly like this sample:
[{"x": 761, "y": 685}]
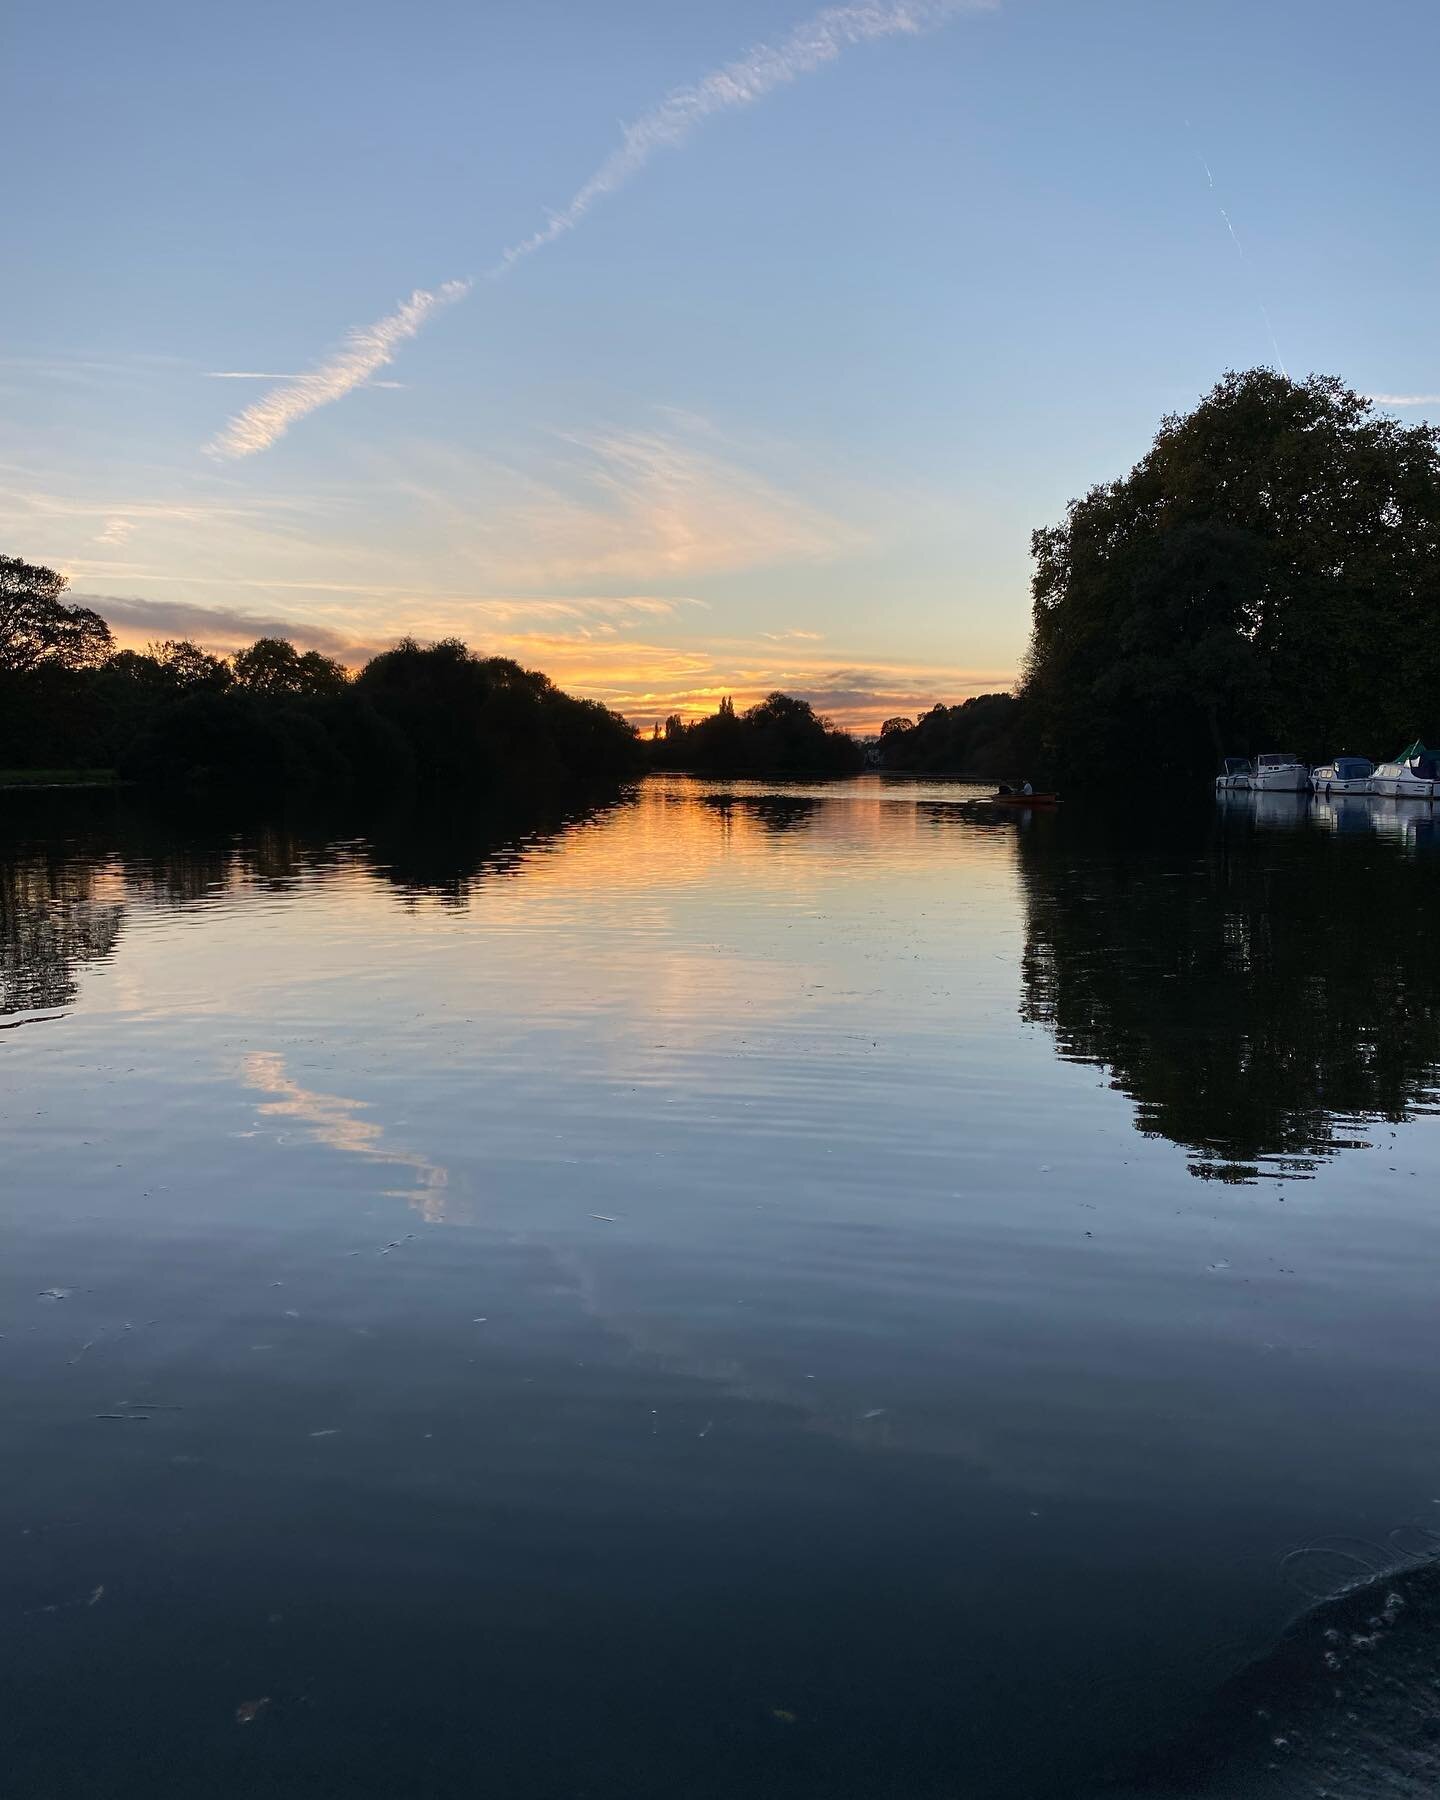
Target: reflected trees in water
[
  {"x": 52, "y": 922},
  {"x": 65, "y": 893},
  {"x": 1259, "y": 1003}
]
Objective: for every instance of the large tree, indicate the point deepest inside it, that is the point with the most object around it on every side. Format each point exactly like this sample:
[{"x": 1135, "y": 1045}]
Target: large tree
[
  {"x": 274, "y": 666},
  {"x": 37, "y": 628},
  {"x": 1268, "y": 576}
]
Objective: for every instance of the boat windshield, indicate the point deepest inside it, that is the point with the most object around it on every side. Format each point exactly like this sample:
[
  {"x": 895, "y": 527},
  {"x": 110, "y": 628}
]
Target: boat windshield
[
  {"x": 1353, "y": 768},
  {"x": 1280, "y": 759},
  {"x": 1237, "y": 765}
]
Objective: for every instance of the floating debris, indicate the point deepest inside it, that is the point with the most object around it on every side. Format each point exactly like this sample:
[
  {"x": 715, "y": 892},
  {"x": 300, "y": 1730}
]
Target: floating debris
[
  {"x": 55, "y": 1293},
  {"x": 97, "y": 1596},
  {"x": 784, "y": 1715},
  {"x": 605, "y": 1218},
  {"x": 329, "y": 1431},
  {"x": 139, "y": 1418},
  {"x": 248, "y": 1711},
  {"x": 875, "y": 1412}
]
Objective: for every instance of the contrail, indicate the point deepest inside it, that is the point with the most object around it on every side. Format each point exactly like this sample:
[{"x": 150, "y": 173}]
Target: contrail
[
  {"x": 1240, "y": 251},
  {"x": 1274, "y": 341},
  {"x": 819, "y": 40},
  {"x": 365, "y": 351},
  {"x": 679, "y": 115}
]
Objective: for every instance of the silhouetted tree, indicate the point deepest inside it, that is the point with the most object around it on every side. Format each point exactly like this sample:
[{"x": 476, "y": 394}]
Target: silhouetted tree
[
  {"x": 37, "y": 628},
  {"x": 778, "y": 735},
  {"x": 486, "y": 721},
  {"x": 978, "y": 737},
  {"x": 274, "y": 666},
  {"x": 185, "y": 665},
  {"x": 1244, "y": 587}
]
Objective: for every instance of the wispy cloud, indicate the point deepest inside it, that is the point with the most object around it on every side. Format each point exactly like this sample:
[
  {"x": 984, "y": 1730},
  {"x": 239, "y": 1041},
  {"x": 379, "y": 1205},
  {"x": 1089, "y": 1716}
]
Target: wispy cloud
[
  {"x": 116, "y": 531},
  {"x": 135, "y": 620},
  {"x": 281, "y": 375},
  {"x": 821, "y": 39},
  {"x": 367, "y": 349},
  {"x": 567, "y": 621},
  {"x": 642, "y": 507},
  {"x": 1406, "y": 399}
]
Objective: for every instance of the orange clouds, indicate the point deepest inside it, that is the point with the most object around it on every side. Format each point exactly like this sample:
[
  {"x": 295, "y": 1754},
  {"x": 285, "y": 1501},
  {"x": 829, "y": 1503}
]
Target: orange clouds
[{"x": 581, "y": 645}]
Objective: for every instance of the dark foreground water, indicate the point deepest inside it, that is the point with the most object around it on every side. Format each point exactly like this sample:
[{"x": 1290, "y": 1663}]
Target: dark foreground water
[{"x": 754, "y": 1291}]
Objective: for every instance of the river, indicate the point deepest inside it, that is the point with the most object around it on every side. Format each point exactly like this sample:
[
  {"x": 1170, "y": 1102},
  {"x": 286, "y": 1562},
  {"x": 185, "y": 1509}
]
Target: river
[{"x": 783, "y": 1290}]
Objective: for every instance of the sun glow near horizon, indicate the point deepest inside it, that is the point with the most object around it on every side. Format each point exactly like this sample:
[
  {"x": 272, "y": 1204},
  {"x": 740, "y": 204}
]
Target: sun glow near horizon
[{"x": 646, "y": 682}]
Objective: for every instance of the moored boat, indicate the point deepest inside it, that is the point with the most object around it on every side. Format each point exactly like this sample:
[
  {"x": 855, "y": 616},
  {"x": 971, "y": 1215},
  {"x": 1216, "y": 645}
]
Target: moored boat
[
  {"x": 1011, "y": 799},
  {"x": 1235, "y": 777},
  {"x": 1345, "y": 775},
  {"x": 1412, "y": 775},
  {"x": 1279, "y": 772}
]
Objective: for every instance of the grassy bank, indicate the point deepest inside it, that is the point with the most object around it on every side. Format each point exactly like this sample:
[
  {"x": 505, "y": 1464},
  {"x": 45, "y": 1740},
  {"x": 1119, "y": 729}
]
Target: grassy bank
[{"x": 31, "y": 778}]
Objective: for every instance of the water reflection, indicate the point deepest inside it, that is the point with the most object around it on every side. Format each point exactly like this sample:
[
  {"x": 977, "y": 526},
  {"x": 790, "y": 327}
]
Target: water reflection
[
  {"x": 610, "y": 1224},
  {"x": 65, "y": 893},
  {"x": 55, "y": 915},
  {"x": 1260, "y": 1002},
  {"x": 335, "y": 1122},
  {"x": 777, "y": 812}
]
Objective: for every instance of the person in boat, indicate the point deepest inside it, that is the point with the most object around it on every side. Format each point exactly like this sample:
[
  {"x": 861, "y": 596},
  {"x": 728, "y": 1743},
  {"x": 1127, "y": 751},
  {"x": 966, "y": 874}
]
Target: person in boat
[{"x": 1027, "y": 789}]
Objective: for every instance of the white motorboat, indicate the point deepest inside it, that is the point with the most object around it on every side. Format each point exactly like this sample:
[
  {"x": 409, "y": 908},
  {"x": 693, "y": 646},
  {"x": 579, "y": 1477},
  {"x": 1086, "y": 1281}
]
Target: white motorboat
[
  {"x": 1413, "y": 775},
  {"x": 1278, "y": 772},
  {"x": 1236, "y": 776},
  {"x": 1346, "y": 775}
]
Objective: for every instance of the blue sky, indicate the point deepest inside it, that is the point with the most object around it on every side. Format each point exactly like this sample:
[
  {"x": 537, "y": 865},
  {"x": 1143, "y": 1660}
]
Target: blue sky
[{"x": 781, "y": 409}]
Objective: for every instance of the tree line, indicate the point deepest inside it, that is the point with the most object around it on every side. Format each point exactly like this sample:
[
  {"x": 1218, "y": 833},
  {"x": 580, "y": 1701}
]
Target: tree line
[
  {"x": 1267, "y": 576},
  {"x": 781, "y": 734},
  {"x": 275, "y": 719},
  {"x": 272, "y": 719}
]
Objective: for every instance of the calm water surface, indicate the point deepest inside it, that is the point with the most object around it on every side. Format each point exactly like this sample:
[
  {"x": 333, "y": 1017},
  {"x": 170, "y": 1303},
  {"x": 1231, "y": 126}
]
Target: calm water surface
[{"x": 769, "y": 1291}]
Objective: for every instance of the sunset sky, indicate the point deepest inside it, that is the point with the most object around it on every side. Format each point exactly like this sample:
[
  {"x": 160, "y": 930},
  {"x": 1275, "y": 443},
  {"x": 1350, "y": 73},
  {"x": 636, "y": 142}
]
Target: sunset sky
[{"x": 698, "y": 348}]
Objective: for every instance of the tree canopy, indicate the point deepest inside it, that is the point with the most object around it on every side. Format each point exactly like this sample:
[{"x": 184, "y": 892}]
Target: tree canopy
[
  {"x": 275, "y": 719},
  {"x": 1269, "y": 573},
  {"x": 977, "y": 737},
  {"x": 37, "y": 628},
  {"x": 781, "y": 734}
]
